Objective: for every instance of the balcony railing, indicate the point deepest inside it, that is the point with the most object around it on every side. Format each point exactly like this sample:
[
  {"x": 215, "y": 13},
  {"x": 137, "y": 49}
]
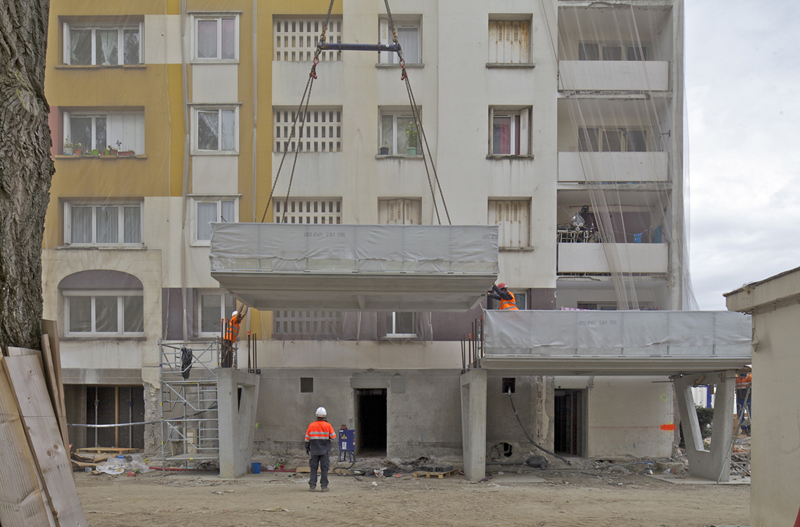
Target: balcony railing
[
  {"x": 613, "y": 166},
  {"x": 591, "y": 258},
  {"x": 598, "y": 75}
]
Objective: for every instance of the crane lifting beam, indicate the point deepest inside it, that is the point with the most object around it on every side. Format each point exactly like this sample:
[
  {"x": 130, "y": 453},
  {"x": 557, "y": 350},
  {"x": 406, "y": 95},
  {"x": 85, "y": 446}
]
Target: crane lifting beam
[{"x": 332, "y": 46}]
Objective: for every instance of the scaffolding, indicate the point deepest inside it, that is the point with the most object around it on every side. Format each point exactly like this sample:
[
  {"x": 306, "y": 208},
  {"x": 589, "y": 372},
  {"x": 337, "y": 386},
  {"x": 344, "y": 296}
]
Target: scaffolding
[{"x": 189, "y": 407}]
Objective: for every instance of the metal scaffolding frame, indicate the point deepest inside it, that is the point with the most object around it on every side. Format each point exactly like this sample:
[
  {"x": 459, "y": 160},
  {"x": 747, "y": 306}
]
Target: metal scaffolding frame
[{"x": 189, "y": 413}]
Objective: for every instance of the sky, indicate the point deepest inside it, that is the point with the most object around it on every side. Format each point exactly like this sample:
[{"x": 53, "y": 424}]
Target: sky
[{"x": 743, "y": 103}]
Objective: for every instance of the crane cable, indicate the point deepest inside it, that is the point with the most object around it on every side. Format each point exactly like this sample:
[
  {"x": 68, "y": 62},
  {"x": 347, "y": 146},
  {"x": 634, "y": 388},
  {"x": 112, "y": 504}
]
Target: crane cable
[{"x": 305, "y": 99}]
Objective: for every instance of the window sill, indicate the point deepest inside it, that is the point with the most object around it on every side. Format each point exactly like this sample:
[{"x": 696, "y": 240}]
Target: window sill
[
  {"x": 517, "y": 249},
  {"x": 398, "y": 156},
  {"x": 400, "y": 337},
  {"x": 107, "y": 158},
  {"x": 215, "y": 153},
  {"x": 509, "y": 65},
  {"x": 95, "y": 67},
  {"x": 98, "y": 338},
  {"x": 109, "y": 247},
  {"x": 509, "y": 157},
  {"x": 215, "y": 61},
  {"x": 409, "y": 65}
]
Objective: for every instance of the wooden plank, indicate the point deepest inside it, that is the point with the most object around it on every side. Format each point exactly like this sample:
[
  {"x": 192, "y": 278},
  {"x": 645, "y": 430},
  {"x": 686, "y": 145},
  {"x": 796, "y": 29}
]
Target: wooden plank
[
  {"x": 19, "y": 352},
  {"x": 439, "y": 475},
  {"x": 44, "y": 438},
  {"x": 52, "y": 386},
  {"x": 21, "y": 499},
  {"x": 109, "y": 450},
  {"x": 50, "y": 327}
]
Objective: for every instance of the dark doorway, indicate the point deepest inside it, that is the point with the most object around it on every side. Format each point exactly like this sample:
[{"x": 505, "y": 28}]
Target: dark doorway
[
  {"x": 371, "y": 423},
  {"x": 570, "y": 422},
  {"x": 115, "y": 405}
]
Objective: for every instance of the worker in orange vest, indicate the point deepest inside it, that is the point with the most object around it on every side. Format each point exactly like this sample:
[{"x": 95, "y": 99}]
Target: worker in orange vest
[
  {"x": 744, "y": 381},
  {"x": 231, "y": 334},
  {"x": 318, "y": 447},
  {"x": 500, "y": 292}
]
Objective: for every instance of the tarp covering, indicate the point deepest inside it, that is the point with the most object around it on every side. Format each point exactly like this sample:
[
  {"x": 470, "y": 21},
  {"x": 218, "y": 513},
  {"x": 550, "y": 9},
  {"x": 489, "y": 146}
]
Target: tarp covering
[
  {"x": 618, "y": 333},
  {"x": 355, "y": 267}
]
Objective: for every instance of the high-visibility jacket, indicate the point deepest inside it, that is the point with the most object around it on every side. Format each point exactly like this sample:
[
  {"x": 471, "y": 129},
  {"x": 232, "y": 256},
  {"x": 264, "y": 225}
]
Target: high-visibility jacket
[
  {"x": 509, "y": 304},
  {"x": 233, "y": 328},
  {"x": 743, "y": 381},
  {"x": 318, "y": 436}
]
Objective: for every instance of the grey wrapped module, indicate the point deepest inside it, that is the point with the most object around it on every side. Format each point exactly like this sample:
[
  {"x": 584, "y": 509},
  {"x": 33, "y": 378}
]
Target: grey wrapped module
[{"x": 272, "y": 266}]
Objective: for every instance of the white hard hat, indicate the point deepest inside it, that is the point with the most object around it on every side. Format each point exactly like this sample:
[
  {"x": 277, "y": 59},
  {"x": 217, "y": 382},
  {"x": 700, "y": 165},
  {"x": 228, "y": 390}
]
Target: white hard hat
[
  {"x": 234, "y": 313},
  {"x": 322, "y": 412}
]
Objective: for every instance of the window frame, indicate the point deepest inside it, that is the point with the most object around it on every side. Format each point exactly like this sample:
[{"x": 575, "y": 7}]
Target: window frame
[
  {"x": 391, "y": 327},
  {"x": 522, "y": 130},
  {"x": 93, "y": 294},
  {"x": 397, "y": 114},
  {"x": 625, "y": 48},
  {"x": 218, "y": 17},
  {"x": 199, "y": 294},
  {"x": 67, "y": 115},
  {"x": 492, "y": 220},
  {"x": 68, "y": 27},
  {"x": 596, "y": 139},
  {"x": 219, "y": 108},
  {"x": 528, "y": 48},
  {"x": 217, "y": 199},
  {"x": 400, "y": 22},
  {"x": 121, "y": 205}
]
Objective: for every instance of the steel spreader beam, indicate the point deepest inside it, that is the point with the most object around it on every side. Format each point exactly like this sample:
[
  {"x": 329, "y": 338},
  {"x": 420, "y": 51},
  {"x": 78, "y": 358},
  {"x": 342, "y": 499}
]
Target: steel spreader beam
[{"x": 331, "y": 46}]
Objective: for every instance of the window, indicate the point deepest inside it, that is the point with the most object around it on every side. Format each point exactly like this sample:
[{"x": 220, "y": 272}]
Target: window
[
  {"x": 509, "y": 132},
  {"x": 509, "y": 42},
  {"x": 321, "y": 132},
  {"x": 397, "y": 130},
  {"x": 513, "y": 220},
  {"x": 102, "y": 224},
  {"x": 212, "y": 307},
  {"x": 612, "y": 140},
  {"x": 306, "y": 384},
  {"x": 215, "y": 130},
  {"x": 296, "y": 40},
  {"x": 99, "y": 129},
  {"x": 309, "y": 211},
  {"x": 612, "y": 51},
  {"x": 401, "y": 211},
  {"x": 408, "y": 34},
  {"x": 102, "y": 44},
  {"x": 509, "y": 385},
  {"x": 599, "y": 306},
  {"x": 217, "y": 37},
  {"x": 104, "y": 313},
  {"x": 211, "y": 209},
  {"x": 401, "y": 324}
]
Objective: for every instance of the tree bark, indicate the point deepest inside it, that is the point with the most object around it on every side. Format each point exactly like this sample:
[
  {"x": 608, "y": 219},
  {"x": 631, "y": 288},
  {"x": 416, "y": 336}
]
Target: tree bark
[{"x": 26, "y": 168}]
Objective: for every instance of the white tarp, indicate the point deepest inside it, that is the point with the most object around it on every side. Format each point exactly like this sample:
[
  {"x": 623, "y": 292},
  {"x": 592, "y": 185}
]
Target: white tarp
[
  {"x": 618, "y": 333},
  {"x": 361, "y": 248}
]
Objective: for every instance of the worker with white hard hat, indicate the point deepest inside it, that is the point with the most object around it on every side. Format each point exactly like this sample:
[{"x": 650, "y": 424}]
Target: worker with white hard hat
[
  {"x": 500, "y": 292},
  {"x": 230, "y": 336},
  {"x": 318, "y": 447}
]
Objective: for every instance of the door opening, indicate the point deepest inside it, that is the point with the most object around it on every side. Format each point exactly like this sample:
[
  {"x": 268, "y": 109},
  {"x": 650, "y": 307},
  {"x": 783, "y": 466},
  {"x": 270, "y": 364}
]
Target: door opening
[
  {"x": 371, "y": 423},
  {"x": 114, "y": 405},
  {"x": 570, "y": 422}
]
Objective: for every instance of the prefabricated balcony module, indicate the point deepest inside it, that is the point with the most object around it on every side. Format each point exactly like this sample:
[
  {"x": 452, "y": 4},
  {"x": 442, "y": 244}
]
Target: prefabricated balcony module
[{"x": 273, "y": 266}]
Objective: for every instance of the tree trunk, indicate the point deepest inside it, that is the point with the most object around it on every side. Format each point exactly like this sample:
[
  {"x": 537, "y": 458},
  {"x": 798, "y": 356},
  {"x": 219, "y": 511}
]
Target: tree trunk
[{"x": 25, "y": 168}]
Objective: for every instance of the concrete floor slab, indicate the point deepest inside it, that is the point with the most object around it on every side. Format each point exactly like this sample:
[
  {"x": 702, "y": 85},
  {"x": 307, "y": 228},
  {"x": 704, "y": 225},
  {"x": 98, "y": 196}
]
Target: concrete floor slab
[
  {"x": 517, "y": 478},
  {"x": 694, "y": 480}
]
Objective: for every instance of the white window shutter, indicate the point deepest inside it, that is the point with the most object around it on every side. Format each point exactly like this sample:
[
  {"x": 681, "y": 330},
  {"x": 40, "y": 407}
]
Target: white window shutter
[
  {"x": 67, "y": 223},
  {"x": 524, "y": 134},
  {"x": 67, "y": 45},
  {"x": 385, "y": 38},
  {"x": 138, "y": 123},
  {"x": 412, "y": 212},
  {"x": 494, "y": 37},
  {"x": 491, "y": 130},
  {"x": 67, "y": 127}
]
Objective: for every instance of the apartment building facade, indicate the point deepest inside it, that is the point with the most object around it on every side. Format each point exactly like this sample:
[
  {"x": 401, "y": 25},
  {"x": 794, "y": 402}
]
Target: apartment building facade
[{"x": 532, "y": 110}]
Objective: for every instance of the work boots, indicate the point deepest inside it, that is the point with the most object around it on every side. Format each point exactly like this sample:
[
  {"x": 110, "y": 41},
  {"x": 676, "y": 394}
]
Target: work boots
[
  {"x": 311, "y": 487},
  {"x": 324, "y": 489}
]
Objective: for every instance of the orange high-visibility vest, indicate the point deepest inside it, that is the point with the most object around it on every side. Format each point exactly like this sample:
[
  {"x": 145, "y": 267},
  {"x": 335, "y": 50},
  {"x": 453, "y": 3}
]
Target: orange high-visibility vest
[
  {"x": 509, "y": 304},
  {"x": 233, "y": 329},
  {"x": 742, "y": 382}
]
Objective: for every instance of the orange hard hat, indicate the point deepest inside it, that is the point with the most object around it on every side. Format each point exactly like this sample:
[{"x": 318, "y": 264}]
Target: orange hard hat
[{"x": 501, "y": 285}]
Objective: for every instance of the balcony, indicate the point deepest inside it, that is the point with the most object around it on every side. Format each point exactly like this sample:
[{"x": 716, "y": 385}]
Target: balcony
[
  {"x": 599, "y": 75},
  {"x": 590, "y": 258},
  {"x": 612, "y": 166}
]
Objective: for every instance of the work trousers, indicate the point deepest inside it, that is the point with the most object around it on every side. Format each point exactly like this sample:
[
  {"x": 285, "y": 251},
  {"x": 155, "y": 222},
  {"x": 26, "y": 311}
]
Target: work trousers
[{"x": 324, "y": 463}]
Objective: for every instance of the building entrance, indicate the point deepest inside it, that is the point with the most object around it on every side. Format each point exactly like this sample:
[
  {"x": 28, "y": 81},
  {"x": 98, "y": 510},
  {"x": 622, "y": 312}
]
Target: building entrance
[
  {"x": 371, "y": 423},
  {"x": 570, "y": 422}
]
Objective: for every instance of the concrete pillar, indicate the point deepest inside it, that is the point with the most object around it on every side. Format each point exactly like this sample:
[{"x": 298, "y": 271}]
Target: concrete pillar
[
  {"x": 473, "y": 423},
  {"x": 714, "y": 464},
  {"x": 237, "y": 419}
]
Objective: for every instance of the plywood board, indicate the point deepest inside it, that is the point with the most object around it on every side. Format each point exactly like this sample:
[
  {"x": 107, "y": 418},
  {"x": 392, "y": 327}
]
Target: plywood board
[
  {"x": 21, "y": 498},
  {"x": 44, "y": 438},
  {"x": 53, "y": 387},
  {"x": 19, "y": 352},
  {"x": 50, "y": 327}
]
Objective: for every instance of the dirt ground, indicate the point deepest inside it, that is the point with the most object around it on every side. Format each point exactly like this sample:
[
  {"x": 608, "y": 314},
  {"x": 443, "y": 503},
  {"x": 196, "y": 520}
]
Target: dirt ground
[{"x": 569, "y": 497}]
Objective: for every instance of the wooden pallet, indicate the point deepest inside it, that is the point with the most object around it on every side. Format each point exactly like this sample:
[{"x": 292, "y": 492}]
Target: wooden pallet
[{"x": 439, "y": 475}]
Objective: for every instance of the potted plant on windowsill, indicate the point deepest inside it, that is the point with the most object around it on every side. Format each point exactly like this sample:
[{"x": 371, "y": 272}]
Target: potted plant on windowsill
[
  {"x": 68, "y": 147},
  {"x": 77, "y": 149},
  {"x": 124, "y": 153},
  {"x": 385, "y": 148},
  {"x": 412, "y": 134}
]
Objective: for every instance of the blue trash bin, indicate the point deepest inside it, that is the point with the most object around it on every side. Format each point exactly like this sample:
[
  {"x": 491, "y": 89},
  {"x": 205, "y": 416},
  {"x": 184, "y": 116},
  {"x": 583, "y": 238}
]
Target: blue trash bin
[{"x": 256, "y": 468}]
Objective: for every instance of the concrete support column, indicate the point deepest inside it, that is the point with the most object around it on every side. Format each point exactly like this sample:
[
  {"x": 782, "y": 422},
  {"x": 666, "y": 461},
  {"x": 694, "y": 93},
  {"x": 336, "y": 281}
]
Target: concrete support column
[
  {"x": 473, "y": 423},
  {"x": 237, "y": 417},
  {"x": 714, "y": 464}
]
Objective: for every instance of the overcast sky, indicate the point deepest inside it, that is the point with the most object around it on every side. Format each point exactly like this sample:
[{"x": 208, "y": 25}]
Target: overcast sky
[{"x": 743, "y": 100}]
